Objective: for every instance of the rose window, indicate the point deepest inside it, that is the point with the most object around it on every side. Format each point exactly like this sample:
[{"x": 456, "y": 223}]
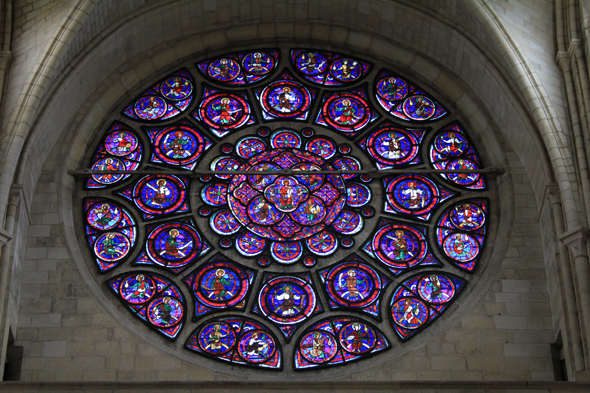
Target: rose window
[{"x": 280, "y": 209}]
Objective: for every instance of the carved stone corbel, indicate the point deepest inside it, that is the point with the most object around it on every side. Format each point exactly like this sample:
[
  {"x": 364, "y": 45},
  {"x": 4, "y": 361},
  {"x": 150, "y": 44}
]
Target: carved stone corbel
[{"x": 576, "y": 240}]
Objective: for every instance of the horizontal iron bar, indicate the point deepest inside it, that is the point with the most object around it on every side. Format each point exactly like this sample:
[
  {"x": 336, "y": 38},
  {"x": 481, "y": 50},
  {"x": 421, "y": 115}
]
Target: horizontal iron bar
[{"x": 370, "y": 172}]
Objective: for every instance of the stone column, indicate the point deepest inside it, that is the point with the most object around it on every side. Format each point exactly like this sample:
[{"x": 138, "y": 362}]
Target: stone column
[
  {"x": 573, "y": 342},
  {"x": 577, "y": 242}
]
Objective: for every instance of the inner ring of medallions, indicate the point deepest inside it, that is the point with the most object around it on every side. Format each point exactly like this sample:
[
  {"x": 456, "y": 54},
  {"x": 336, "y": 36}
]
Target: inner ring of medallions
[{"x": 271, "y": 199}]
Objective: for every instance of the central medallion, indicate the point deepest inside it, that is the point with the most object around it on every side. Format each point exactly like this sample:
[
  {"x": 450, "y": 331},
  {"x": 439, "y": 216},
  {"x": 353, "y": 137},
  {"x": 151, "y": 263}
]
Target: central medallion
[
  {"x": 286, "y": 208},
  {"x": 293, "y": 203}
]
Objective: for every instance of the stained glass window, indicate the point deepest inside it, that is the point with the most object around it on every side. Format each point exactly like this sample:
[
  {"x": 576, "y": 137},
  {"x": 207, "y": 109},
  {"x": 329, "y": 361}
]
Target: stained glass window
[{"x": 281, "y": 208}]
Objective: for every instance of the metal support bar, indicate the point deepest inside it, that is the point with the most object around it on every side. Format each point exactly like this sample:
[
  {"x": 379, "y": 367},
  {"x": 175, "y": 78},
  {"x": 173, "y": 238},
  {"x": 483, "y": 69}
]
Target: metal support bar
[{"x": 371, "y": 172}]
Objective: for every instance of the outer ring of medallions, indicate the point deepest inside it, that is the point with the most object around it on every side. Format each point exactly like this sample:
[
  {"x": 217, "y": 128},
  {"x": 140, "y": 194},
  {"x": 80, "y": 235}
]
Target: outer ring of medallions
[{"x": 360, "y": 239}]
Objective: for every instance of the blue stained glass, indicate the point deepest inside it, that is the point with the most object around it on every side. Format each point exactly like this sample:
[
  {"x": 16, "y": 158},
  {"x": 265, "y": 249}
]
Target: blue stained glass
[
  {"x": 337, "y": 340},
  {"x": 421, "y": 299},
  {"x": 451, "y": 150},
  {"x": 219, "y": 284},
  {"x": 242, "y": 68},
  {"x": 224, "y": 112},
  {"x": 179, "y": 145},
  {"x": 286, "y": 98},
  {"x": 347, "y": 112},
  {"x": 400, "y": 247},
  {"x": 287, "y": 301},
  {"x": 353, "y": 284},
  {"x": 157, "y": 194},
  {"x": 286, "y": 213},
  {"x": 392, "y": 146},
  {"x": 329, "y": 68},
  {"x": 414, "y": 195},
  {"x": 405, "y": 100},
  {"x": 460, "y": 232},
  {"x": 153, "y": 299},
  {"x": 237, "y": 340},
  {"x": 164, "y": 100},
  {"x": 111, "y": 232},
  {"x": 120, "y": 150}
]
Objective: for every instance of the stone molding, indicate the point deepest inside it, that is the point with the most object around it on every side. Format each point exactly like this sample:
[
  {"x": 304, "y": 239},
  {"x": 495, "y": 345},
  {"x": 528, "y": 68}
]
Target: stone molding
[
  {"x": 326, "y": 386},
  {"x": 576, "y": 240}
]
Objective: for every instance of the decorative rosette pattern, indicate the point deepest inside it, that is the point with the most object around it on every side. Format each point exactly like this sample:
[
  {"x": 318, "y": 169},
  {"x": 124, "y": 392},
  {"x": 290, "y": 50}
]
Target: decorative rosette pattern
[{"x": 308, "y": 164}]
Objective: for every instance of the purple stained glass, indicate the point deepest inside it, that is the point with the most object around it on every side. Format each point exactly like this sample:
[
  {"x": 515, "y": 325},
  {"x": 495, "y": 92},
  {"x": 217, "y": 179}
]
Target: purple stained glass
[
  {"x": 323, "y": 147},
  {"x": 392, "y": 89},
  {"x": 237, "y": 340},
  {"x": 357, "y": 338},
  {"x": 346, "y": 70},
  {"x": 322, "y": 244},
  {"x": 242, "y": 68},
  {"x": 111, "y": 232},
  {"x": 156, "y": 195},
  {"x": 318, "y": 347},
  {"x": 120, "y": 150},
  {"x": 287, "y": 301},
  {"x": 460, "y": 232},
  {"x": 121, "y": 143},
  {"x": 461, "y": 247},
  {"x": 256, "y": 346},
  {"x": 214, "y": 194},
  {"x": 249, "y": 244},
  {"x": 138, "y": 289},
  {"x": 451, "y": 150},
  {"x": 176, "y": 88},
  {"x": 224, "y": 70},
  {"x": 285, "y": 139},
  {"x": 165, "y": 311},
  {"x": 328, "y": 68},
  {"x": 337, "y": 340},
  {"x": 108, "y": 164},
  {"x": 357, "y": 195},
  {"x": 312, "y": 63},
  {"x": 249, "y": 146},
  {"x": 295, "y": 217},
  {"x": 112, "y": 246},
  {"x": 346, "y": 112},
  {"x": 354, "y": 285},
  {"x": 393, "y": 146},
  {"x": 224, "y": 223},
  {"x": 104, "y": 216},
  {"x": 217, "y": 338},
  {"x": 468, "y": 216},
  {"x": 286, "y": 99},
  {"x": 173, "y": 246},
  {"x": 463, "y": 179},
  {"x": 224, "y": 112},
  {"x": 409, "y": 313},
  {"x": 405, "y": 100},
  {"x": 413, "y": 195},
  {"x": 153, "y": 299},
  {"x": 179, "y": 145},
  {"x": 150, "y": 108},
  {"x": 285, "y": 208},
  {"x": 258, "y": 63},
  {"x": 218, "y": 285},
  {"x": 224, "y": 164},
  {"x": 422, "y": 298}
]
